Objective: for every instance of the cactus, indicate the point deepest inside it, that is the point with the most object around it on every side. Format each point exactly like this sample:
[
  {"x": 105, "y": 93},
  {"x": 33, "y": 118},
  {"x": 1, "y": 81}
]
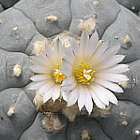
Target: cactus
[
  {"x": 24, "y": 27},
  {"x": 133, "y": 5},
  {"x": 8, "y": 3}
]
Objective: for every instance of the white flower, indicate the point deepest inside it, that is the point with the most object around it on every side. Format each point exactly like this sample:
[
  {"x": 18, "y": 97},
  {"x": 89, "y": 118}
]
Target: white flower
[
  {"x": 48, "y": 76},
  {"x": 93, "y": 73}
]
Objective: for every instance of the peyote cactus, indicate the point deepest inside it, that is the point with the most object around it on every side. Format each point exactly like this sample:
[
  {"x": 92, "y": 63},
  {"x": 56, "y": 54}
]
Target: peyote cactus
[{"x": 24, "y": 27}]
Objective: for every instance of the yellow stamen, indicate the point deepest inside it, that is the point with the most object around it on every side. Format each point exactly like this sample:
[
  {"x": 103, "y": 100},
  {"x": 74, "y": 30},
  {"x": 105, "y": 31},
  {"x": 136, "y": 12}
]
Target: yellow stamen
[
  {"x": 84, "y": 73},
  {"x": 58, "y": 76}
]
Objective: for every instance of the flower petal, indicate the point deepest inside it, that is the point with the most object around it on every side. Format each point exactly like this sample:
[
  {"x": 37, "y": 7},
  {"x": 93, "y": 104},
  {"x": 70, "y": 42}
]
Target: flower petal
[
  {"x": 102, "y": 47},
  {"x": 73, "y": 97},
  {"x": 47, "y": 96},
  {"x": 89, "y": 103},
  {"x": 84, "y": 40},
  {"x": 104, "y": 92},
  {"x": 113, "y": 61},
  {"x": 56, "y": 92},
  {"x": 120, "y": 68},
  {"x": 70, "y": 52},
  {"x": 65, "y": 95},
  {"x": 82, "y": 98},
  {"x": 111, "y": 51},
  {"x": 46, "y": 87},
  {"x": 99, "y": 92},
  {"x": 112, "y": 77},
  {"x": 39, "y": 77},
  {"x": 38, "y": 69},
  {"x": 39, "y": 60},
  {"x": 49, "y": 93},
  {"x": 36, "y": 85},
  {"x": 112, "y": 86},
  {"x": 93, "y": 41},
  {"x": 67, "y": 68},
  {"x": 68, "y": 84},
  {"x": 96, "y": 100}
]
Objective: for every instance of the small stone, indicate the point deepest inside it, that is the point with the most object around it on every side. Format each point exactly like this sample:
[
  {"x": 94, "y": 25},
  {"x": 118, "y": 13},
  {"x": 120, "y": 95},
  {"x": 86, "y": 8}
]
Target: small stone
[
  {"x": 133, "y": 7},
  {"x": 43, "y": 123},
  {"x": 52, "y": 18},
  {"x": 124, "y": 123},
  {"x": 123, "y": 114},
  {"x": 95, "y": 2},
  {"x": 17, "y": 70},
  {"x": 126, "y": 39},
  {"x": 15, "y": 33},
  {"x": 126, "y": 42},
  {"x": 11, "y": 111},
  {"x": 116, "y": 37},
  {"x": 137, "y": 132},
  {"x": 15, "y": 28}
]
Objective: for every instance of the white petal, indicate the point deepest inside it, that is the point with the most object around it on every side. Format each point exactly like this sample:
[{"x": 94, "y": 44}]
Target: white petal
[
  {"x": 48, "y": 91},
  {"x": 71, "y": 51},
  {"x": 97, "y": 101},
  {"x": 65, "y": 95},
  {"x": 120, "y": 68},
  {"x": 99, "y": 92},
  {"x": 112, "y": 77},
  {"x": 38, "y": 77},
  {"x": 59, "y": 48},
  {"x": 82, "y": 97},
  {"x": 38, "y": 69},
  {"x": 93, "y": 41},
  {"x": 112, "y": 86},
  {"x": 68, "y": 84},
  {"x": 73, "y": 97},
  {"x": 46, "y": 87},
  {"x": 46, "y": 97},
  {"x": 112, "y": 61},
  {"x": 46, "y": 45},
  {"x": 67, "y": 68},
  {"x": 89, "y": 103},
  {"x": 68, "y": 81},
  {"x": 109, "y": 53},
  {"x": 39, "y": 60},
  {"x": 56, "y": 92},
  {"x": 102, "y": 47},
  {"x": 111, "y": 97},
  {"x": 53, "y": 49},
  {"x": 112, "y": 51},
  {"x": 84, "y": 40},
  {"x": 35, "y": 85}
]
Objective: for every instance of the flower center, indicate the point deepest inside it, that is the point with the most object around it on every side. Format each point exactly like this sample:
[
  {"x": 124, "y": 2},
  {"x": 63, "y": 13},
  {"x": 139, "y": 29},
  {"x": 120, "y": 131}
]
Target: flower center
[
  {"x": 58, "y": 76},
  {"x": 84, "y": 74}
]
